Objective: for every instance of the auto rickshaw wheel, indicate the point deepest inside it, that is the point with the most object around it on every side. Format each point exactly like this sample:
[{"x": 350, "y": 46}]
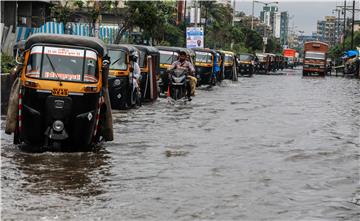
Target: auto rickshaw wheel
[
  {"x": 16, "y": 139},
  {"x": 56, "y": 146}
]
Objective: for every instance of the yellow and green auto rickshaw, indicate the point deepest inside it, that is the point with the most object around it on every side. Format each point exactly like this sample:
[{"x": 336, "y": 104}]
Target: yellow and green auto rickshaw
[
  {"x": 207, "y": 66},
  {"x": 60, "y": 100},
  {"x": 149, "y": 62},
  {"x": 122, "y": 88},
  {"x": 228, "y": 65}
]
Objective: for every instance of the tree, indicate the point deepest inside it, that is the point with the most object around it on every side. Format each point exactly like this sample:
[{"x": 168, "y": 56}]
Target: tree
[
  {"x": 253, "y": 40},
  {"x": 273, "y": 46}
]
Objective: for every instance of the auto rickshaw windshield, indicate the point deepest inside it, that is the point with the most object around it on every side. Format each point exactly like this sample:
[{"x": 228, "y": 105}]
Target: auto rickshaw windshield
[
  {"x": 229, "y": 58},
  {"x": 203, "y": 57},
  {"x": 61, "y": 63},
  {"x": 246, "y": 57},
  {"x": 118, "y": 60},
  {"x": 168, "y": 57}
]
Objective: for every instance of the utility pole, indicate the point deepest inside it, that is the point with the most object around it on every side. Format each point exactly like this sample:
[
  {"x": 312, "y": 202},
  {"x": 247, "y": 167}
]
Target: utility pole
[
  {"x": 196, "y": 13},
  {"x": 344, "y": 33},
  {"x": 352, "y": 25},
  {"x": 252, "y": 15}
]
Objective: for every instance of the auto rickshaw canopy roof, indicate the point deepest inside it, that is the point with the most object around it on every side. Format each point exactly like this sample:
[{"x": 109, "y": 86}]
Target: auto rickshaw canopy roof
[
  {"x": 226, "y": 52},
  {"x": 125, "y": 47},
  {"x": 204, "y": 50},
  {"x": 176, "y": 49},
  {"x": 67, "y": 40},
  {"x": 148, "y": 49}
]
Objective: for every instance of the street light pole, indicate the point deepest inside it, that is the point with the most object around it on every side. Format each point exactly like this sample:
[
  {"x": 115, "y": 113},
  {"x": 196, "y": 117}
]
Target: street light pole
[
  {"x": 252, "y": 16},
  {"x": 344, "y": 33},
  {"x": 352, "y": 25}
]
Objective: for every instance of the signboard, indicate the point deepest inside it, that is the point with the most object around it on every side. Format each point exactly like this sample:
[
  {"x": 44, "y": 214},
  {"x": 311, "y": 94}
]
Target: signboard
[
  {"x": 265, "y": 40},
  {"x": 194, "y": 37}
]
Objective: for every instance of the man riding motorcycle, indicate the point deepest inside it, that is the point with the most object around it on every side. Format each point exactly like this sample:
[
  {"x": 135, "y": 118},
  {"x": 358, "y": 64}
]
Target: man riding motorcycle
[{"x": 183, "y": 63}]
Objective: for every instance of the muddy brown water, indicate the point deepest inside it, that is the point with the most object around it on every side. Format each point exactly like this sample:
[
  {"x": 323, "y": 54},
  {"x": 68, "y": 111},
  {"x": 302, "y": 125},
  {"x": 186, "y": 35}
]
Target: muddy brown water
[{"x": 264, "y": 148}]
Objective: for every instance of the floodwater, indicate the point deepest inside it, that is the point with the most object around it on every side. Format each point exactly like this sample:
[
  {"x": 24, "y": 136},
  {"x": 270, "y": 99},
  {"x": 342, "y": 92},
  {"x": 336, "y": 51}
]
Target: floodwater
[{"x": 264, "y": 148}]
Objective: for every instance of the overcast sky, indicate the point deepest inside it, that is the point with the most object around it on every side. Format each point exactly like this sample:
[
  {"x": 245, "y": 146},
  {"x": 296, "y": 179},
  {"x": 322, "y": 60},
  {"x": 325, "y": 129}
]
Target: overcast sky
[{"x": 305, "y": 12}]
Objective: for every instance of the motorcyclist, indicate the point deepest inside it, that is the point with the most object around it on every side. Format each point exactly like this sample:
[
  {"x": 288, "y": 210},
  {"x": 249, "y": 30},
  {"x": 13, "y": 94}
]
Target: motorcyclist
[{"x": 182, "y": 63}]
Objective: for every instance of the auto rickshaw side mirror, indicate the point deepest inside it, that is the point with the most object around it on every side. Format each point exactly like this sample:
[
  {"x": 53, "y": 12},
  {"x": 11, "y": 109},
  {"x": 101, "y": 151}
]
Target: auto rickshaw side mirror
[
  {"x": 106, "y": 63},
  {"x": 19, "y": 57}
]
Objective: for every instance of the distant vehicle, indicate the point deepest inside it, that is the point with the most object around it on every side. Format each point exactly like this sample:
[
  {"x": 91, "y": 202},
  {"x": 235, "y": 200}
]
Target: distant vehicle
[
  {"x": 351, "y": 63},
  {"x": 263, "y": 63},
  {"x": 315, "y": 55},
  {"x": 246, "y": 64},
  {"x": 290, "y": 57}
]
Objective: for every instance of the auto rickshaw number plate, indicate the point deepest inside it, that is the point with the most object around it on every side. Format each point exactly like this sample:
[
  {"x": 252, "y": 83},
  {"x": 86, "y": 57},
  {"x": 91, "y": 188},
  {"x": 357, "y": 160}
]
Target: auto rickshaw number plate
[{"x": 60, "y": 92}]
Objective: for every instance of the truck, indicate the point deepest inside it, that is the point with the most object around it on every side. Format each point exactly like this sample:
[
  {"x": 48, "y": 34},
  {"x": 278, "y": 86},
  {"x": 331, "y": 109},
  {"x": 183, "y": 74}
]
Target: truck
[
  {"x": 290, "y": 56},
  {"x": 315, "y": 56}
]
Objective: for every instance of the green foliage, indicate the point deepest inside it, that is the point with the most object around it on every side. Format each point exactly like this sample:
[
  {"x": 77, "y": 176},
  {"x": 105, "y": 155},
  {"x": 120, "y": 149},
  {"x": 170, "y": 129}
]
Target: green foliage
[
  {"x": 7, "y": 63},
  {"x": 61, "y": 13},
  {"x": 253, "y": 40},
  {"x": 273, "y": 46},
  {"x": 337, "y": 51},
  {"x": 78, "y": 3}
]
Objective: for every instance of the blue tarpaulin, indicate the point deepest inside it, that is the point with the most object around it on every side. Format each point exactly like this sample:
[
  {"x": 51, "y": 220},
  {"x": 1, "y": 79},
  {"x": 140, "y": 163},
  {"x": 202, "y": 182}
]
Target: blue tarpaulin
[{"x": 351, "y": 53}]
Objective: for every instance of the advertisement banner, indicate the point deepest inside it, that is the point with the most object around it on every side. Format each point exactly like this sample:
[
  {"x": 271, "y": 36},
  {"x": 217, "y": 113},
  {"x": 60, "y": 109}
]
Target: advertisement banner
[{"x": 194, "y": 37}]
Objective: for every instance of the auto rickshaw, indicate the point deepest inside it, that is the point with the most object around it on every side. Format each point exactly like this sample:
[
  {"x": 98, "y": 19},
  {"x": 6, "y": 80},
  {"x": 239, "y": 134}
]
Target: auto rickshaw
[
  {"x": 272, "y": 62},
  {"x": 122, "y": 90},
  {"x": 149, "y": 62},
  {"x": 207, "y": 66},
  {"x": 169, "y": 55},
  {"x": 263, "y": 63},
  {"x": 60, "y": 100},
  {"x": 246, "y": 64},
  {"x": 228, "y": 65}
]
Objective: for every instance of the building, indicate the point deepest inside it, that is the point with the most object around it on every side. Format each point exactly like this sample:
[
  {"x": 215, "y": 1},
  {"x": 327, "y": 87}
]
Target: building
[
  {"x": 284, "y": 28},
  {"x": 24, "y": 13},
  {"x": 327, "y": 30},
  {"x": 267, "y": 15},
  {"x": 278, "y": 23},
  {"x": 357, "y": 25}
]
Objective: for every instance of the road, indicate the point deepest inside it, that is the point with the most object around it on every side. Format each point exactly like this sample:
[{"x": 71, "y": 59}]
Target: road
[{"x": 264, "y": 148}]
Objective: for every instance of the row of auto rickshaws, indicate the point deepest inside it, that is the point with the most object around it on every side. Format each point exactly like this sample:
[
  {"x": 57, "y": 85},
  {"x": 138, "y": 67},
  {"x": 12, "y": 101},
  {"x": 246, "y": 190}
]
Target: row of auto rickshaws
[
  {"x": 261, "y": 63},
  {"x": 67, "y": 85}
]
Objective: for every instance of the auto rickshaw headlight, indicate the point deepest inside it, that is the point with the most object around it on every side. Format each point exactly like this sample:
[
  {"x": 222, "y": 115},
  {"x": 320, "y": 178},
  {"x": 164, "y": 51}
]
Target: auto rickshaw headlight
[
  {"x": 58, "y": 125},
  {"x": 117, "y": 82}
]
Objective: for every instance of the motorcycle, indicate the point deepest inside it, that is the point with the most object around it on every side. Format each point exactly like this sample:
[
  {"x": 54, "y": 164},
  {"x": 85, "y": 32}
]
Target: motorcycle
[{"x": 178, "y": 84}]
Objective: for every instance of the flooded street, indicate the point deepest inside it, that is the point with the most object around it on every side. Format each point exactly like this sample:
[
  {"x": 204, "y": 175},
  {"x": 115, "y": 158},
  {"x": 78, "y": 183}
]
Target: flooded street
[{"x": 263, "y": 148}]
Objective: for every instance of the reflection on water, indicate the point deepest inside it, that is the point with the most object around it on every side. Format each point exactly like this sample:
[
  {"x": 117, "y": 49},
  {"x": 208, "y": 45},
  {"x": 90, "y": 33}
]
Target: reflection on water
[{"x": 264, "y": 148}]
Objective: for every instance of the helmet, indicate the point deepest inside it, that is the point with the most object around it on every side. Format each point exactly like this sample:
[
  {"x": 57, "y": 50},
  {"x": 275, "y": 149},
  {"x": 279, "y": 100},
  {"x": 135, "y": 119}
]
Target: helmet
[{"x": 134, "y": 56}]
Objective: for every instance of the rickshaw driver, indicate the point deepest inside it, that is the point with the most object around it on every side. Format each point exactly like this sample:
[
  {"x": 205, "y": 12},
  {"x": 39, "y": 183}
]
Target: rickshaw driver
[
  {"x": 136, "y": 71},
  {"x": 182, "y": 63}
]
